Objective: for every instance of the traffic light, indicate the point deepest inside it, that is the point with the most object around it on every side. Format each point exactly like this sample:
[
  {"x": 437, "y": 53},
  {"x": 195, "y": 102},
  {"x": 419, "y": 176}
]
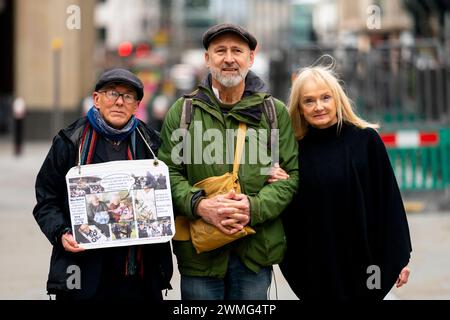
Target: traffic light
[
  {"x": 125, "y": 49},
  {"x": 142, "y": 50}
]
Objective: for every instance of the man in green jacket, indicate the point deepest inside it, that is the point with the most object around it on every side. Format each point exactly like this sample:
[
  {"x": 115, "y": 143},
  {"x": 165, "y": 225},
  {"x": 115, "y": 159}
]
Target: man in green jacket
[{"x": 230, "y": 94}]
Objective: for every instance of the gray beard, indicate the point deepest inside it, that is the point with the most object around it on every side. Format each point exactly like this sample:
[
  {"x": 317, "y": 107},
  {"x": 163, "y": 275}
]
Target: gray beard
[{"x": 228, "y": 81}]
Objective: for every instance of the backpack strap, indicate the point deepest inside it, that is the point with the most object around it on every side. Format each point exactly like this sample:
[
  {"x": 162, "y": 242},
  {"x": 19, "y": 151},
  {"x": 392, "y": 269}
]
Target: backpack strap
[
  {"x": 270, "y": 112},
  {"x": 186, "y": 113},
  {"x": 186, "y": 118},
  {"x": 187, "y": 110},
  {"x": 271, "y": 116}
]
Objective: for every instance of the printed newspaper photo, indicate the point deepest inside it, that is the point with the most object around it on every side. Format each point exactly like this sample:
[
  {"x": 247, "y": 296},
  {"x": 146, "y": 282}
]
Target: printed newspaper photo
[{"x": 120, "y": 203}]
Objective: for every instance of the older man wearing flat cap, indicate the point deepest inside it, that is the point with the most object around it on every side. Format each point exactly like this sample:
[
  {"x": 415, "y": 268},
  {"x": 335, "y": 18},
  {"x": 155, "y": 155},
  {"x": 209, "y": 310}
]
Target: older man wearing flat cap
[
  {"x": 230, "y": 96},
  {"x": 109, "y": 132}
]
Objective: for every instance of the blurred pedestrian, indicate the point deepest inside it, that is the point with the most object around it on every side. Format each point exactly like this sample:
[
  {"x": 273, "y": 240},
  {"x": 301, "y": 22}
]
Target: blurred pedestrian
[
  {"x": 159, "y": 108},
  {"x": 87, "y": 104},
  {"x": 230, "y": 97},
  {"x": 109, "y": 132},
  {"x": 19, "y": 112},
  {"x": 347, "y": 232}
]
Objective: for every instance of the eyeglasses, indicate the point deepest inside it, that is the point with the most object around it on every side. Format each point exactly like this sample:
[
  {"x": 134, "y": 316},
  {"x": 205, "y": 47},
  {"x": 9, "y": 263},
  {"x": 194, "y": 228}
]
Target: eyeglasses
[{"x": 113, "y": 95}]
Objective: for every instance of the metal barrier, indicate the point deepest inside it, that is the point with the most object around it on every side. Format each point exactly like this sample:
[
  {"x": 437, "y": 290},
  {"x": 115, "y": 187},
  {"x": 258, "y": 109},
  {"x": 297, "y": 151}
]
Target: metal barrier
[
  {"x": 392, "y": 84},
  {"x": 404, "y": 88},
  {"x": 421, "y": 159}
]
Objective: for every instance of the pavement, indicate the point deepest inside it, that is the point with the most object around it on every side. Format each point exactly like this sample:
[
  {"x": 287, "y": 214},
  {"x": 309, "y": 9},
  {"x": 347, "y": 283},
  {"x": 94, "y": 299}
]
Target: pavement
[{"x": 25, "y": 252}]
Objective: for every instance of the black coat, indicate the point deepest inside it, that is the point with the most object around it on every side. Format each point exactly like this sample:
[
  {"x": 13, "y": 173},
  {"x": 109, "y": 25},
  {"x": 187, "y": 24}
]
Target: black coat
[
  {"x": 348, "y": 215},
  {"x": 52, "y": 214}
]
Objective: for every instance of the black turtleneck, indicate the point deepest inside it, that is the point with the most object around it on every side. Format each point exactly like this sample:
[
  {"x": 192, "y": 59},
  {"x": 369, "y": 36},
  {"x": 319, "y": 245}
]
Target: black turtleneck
[{"x": 347, "y": 216}]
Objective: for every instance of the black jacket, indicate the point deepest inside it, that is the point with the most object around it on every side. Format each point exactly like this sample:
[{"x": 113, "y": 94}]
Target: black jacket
[
  {"x": 52, "y": 214},
  {"x": 347, "y": 219}
]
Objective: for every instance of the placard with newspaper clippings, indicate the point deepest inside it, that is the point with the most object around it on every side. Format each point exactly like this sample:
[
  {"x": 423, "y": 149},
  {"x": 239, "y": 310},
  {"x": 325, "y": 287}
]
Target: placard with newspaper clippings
[{"x": 120, "y": 203}]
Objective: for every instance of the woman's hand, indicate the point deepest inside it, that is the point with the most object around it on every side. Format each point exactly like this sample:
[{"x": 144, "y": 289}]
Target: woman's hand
[
  {"x": 276, "y": 174},
  {"x": 403, "y": 277}
]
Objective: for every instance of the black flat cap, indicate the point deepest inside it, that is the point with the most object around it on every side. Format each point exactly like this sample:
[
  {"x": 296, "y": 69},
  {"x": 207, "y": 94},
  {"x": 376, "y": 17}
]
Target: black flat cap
[
  {"x": 121, "y": 76},
  {"x": 219, "y": 29}
]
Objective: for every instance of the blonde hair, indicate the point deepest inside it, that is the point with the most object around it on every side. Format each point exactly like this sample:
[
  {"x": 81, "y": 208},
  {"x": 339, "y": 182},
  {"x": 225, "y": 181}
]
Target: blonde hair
[{"x": 322, "y": 75}]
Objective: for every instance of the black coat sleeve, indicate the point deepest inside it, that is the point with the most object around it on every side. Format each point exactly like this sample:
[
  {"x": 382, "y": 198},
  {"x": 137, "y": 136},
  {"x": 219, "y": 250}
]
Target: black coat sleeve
[
  {"x": 393, "y": 243},
  {"x": 51, "y": 211}
]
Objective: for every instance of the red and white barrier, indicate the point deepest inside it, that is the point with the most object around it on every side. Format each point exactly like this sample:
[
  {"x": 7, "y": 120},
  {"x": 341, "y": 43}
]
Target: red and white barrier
[{"x": 410, "y": 139}]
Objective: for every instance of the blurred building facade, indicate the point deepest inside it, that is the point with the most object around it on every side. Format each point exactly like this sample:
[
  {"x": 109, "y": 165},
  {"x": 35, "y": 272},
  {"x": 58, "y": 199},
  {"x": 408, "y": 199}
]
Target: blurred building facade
[
  {"x": 6, "y": 64},
  {"x": 291, "y": 34},
  {"x": 52, "y": 47},
  {"x": 372, "y": 21},
  {"x": 431, "y": 18},
  {"x": 137, "y": 22}
]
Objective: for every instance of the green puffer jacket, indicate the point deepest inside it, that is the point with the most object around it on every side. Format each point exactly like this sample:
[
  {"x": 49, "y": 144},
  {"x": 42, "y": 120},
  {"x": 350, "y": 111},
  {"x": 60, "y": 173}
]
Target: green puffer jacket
[{"x": 267, "y": 246}]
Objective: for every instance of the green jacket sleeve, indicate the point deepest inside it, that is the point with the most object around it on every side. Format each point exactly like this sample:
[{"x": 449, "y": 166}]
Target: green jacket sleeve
[
  {"x": 171, "y": 137},
  {"x": 273, "y": 198}
]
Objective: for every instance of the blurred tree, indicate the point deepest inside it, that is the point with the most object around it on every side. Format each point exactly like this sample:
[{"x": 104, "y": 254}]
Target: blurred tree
[
  {"x": 166, "y": 12},
  {"x": 428, "y": 16},
  {"x": 197, "y": 14},
  {"x": 197, "y": 3}
]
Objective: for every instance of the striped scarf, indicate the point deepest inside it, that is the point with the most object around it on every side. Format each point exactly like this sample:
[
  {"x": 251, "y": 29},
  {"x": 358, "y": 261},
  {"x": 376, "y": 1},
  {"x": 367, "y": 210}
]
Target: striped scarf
[{"x": 134, "y": 261}]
